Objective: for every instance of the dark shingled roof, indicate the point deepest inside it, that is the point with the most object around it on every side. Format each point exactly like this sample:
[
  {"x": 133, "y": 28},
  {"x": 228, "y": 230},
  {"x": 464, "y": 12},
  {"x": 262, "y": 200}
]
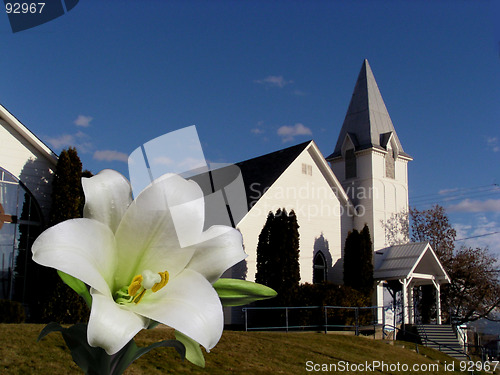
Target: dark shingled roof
[
  {"x": 261, "y": 172},
  {"x": 258, "y": 175}
]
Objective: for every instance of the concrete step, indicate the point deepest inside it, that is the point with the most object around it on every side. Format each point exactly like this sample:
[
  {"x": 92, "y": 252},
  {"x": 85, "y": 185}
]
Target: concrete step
[{"x": 443, "y": 338}]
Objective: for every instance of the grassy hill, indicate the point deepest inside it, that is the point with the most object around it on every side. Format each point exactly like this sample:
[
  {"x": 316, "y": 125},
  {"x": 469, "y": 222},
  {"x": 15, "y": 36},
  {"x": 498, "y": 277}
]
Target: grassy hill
[{"x": 236, "y": 353}]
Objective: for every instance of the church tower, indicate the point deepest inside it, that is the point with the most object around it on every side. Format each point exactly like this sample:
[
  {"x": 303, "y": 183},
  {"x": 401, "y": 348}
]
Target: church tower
[{"x": 369, "y": 159}]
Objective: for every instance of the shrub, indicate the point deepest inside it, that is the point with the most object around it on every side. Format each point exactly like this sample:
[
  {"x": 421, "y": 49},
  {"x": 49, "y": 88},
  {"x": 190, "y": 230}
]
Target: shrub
[
  {"x": 11, "y": 312},
  {"x": 326, "y": 294}
]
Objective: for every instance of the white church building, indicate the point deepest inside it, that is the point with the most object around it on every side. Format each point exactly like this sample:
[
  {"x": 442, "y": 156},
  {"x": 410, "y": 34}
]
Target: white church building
[{"x": 363, "y": 181}]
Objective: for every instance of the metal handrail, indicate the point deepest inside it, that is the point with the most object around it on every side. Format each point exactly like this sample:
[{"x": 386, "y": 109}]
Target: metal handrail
[
  {"x": 461, "y": 334},
  {"x": 435, "y": 342},
  {"x": 425, "y": 333}
]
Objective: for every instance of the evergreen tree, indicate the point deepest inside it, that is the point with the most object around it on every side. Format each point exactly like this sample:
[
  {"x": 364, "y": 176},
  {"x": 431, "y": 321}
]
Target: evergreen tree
[
  {"x": 358, "y": 261},
  {"x": 351, "y": 258},
  {"x": 265, "y": 257},
  {"x": 66, "y": 187},
  {"x": 366, "y": 261},
  {"x": 278, "y": 256},
  {"x": 291, "y": 276},
  {"x": 60, "y": 302}
]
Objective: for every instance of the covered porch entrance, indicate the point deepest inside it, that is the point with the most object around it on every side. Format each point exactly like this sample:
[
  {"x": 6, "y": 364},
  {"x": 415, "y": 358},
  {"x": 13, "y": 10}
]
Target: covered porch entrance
[{"x": 405, "y": 267}]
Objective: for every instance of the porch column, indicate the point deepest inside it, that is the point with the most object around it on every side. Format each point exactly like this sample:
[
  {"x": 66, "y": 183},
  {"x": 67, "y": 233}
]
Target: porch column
[
  {"x": 405, "y": 302},
  {"x": 379, "y": 291},
  {"x": 438, "y": 302},
  {"x": 410, "y": 305}
]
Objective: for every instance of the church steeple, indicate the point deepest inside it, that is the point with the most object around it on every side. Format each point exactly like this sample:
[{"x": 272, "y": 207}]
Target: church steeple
[
  {"x": 369, "y": 160},
  {"x": 367, "y": 122}
]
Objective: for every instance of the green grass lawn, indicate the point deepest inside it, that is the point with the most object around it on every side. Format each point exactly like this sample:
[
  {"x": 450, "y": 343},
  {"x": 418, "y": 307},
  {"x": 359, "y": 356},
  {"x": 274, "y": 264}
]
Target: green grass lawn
[{"x": 237, "y": 353}]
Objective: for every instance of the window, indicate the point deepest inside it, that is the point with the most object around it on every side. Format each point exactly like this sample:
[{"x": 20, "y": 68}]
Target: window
[
  {"x": 350, "y": 164},
  {"x": 20, "y": 224},
  {"x": 319, "y": 268},
  {"x": 307, "y": 169},
  {"x": 389, "y": 164}
]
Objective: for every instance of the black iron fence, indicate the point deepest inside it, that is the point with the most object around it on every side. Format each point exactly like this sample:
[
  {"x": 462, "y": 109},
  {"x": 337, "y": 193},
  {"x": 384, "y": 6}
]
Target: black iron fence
[{"x": 320, "y": 318}]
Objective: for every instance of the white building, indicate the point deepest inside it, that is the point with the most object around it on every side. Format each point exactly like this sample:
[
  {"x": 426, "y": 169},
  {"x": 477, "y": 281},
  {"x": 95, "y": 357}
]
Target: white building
[
  {"x": 26, "y": 168},
  {"x": 366, "y": 183}
]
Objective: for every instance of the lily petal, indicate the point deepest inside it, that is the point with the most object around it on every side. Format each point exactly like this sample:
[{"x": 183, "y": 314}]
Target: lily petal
[
  {"x": 107, "y": 196},
  {"x": 147, "y": 237},
  {"x": 189, "y": 304},
  {"x": 111, "y": 326},
  {"x": 82, "y": 248},
  {"x": 223, "y": 250}
]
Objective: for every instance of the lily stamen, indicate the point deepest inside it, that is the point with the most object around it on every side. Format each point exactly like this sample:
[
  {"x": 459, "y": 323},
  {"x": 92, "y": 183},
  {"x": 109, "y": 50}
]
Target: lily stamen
[{"x": 147, "y": 280}]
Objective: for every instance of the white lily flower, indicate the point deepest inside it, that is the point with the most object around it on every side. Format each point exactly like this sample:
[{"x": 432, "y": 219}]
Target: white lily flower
[{"x": 128, "y": 253}]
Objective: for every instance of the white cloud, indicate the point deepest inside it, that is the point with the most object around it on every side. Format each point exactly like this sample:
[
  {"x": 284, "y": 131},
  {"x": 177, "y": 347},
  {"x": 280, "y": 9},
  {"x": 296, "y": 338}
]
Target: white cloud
[
  {"x": 484, "y": 233},
  {"x": 462, "y": 230},
  {"x": 162, "y": 160},
  {"x": 257, "y": 131},
  {"x": 472, "y": 205},
  {"x": 258, "y": 128},
  {"x": 493, "y": 144},
  {"x": 83, "y": 121},
  {"x": 79, "y": 140},
  {"x": 110, "y": 155},
  {"x": 64, "y": 140},
  {"x": 274, "y": 81},
  {"x": 82, "y": 135},
  {"x": 287, "y": 133},
  {"x": 447, "y": 191},
  {"x": 190, "y": 163}
]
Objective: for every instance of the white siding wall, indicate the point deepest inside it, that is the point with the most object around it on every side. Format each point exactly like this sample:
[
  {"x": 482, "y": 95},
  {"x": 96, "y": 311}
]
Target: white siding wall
[
  {"x": 376, "y": 196},
  {"x": 28, "y": 164},
  {"x": 319, "y": 215}
]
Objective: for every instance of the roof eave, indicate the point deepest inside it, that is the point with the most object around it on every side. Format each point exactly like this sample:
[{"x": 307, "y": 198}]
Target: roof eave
[{"x": 28, "y": 135}]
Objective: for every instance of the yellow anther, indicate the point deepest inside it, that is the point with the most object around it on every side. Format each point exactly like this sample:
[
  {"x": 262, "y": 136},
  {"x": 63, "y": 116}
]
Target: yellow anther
[
  {"x": 164, "y": 280},
  {"x": 148, "y": 280},
  {"x": 135, "y": 285},
  {"x": 138, "y": 298}
]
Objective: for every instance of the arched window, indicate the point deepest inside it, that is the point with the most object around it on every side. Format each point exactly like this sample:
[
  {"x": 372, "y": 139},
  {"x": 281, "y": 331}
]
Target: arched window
[
  {"x": 350, "y": 164},
  {"x": 390, "y": 163},
  {"x": 319, "y": 268},
  {"x": 20, "y": 224}
]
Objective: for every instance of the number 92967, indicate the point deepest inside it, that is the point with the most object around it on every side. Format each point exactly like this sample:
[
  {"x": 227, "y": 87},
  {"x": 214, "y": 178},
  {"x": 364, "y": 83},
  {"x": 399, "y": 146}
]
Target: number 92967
[{"x": 23, "y": 8}]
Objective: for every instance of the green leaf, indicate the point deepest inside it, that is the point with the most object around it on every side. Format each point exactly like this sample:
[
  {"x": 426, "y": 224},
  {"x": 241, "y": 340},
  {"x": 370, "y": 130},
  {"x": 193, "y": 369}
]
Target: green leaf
[
  {"x": 131, "y": 352},
  {"x": 235, "y": 292},
  {"x": 95, "y": 361},
  {"x": 90, "y": 360},
  {"x": 193, "y": 350},
  {"x": 51, "y": 327},
  {"x": 77, "y": 285}
]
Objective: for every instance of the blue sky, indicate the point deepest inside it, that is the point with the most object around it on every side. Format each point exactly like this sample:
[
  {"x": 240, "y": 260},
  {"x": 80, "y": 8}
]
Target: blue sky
[{"x": 257, "y": 76}]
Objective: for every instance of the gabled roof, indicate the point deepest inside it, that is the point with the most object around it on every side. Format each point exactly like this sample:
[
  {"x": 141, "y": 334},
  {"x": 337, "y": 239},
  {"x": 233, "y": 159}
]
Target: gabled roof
[
  {"x": 367, "y": 119},
  {"x": 260, "y": 173},
  {"x": 25, "y": 133},
  {"x": 415, "y": 261}
]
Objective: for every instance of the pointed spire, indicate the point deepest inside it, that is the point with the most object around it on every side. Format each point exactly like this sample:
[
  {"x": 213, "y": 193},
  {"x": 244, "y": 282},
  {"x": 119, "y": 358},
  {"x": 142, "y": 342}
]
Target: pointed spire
[{"x": 367, "y": 121}]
